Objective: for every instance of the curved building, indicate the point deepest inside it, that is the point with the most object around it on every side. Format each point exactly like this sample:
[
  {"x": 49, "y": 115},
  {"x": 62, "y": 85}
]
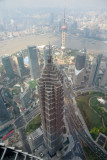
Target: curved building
[
  {"x": 51, "y": 97},
  {"x": 33, "y": 62},
  {"x": 8, "y": 66},
  {"x": 80, "y": 66},
  {"x": 80, "y": 61}
]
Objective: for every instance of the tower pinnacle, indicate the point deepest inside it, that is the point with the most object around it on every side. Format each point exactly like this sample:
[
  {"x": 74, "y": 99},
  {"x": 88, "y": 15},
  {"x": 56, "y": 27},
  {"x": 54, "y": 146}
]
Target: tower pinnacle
[
  {"x": 49, "y": 60},
  {"x": 63, "y": 34}
]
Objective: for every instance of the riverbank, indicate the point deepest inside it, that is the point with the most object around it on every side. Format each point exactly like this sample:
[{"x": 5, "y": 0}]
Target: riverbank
[{"x": 14, "y": 45}]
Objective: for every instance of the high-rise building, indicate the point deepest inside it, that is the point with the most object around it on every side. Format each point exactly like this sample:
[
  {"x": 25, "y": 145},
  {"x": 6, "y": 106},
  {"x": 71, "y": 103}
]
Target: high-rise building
[
  {"x": 18, "y": 64},
  {"x": 80, "y": 67},
  {"x": 33, "y": 62},
  {"x": 93, "y": 78},
  {"x": 14, "y": 64},
  {"x": 21, "y": 66},
  {"x": 8, "y": 67},
  {"x": 46, "y": 53},
  {"x": 4, "y": 115},
  {"x": 63, "y": 34},
  {"x": 92, "y": 73},
  {"x": 51, "y": 96},
  {"x": 25, "y": 98},
  {"x": 80, "y": 61},
  {"x": 103, "y": 82}
]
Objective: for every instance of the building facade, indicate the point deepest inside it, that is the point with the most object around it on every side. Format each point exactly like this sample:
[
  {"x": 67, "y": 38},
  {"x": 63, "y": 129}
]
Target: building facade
[
  {"x": 80, "y": 61},
  {"x": 93, "y": 78},
  {"x": 104, "y": 80},
  {"x": 18, "y": 64},
  {"x": 4, "y": 115},
  {"x": 33, "y": 62},
  {"x": 80, "y": 69},
  {"x": 51, "y": 96},
  {"x": 46, "y": 52},
  {"x": 21, "y": 67},
  {"x": 25, "y": 98},
  {"x": 8, "y": 67}
]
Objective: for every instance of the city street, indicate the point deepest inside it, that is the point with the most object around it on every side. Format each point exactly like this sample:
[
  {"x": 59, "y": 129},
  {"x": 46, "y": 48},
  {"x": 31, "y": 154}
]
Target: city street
[
  {"x": 20, "y": 123},
  {"x": 25, "y": 141},
  {"x": 79, "y": 127}
]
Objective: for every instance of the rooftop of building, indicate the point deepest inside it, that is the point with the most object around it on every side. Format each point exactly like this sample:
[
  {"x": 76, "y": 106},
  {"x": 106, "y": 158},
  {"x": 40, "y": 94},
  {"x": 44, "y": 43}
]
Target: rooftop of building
[
  {"x": 32, "y": 46},
  {"x": 5, "y": 56},
  {"x": 37, "y": 133},
  {"x": 19, "y": 54},
  {"x": 24, "y": 93}
]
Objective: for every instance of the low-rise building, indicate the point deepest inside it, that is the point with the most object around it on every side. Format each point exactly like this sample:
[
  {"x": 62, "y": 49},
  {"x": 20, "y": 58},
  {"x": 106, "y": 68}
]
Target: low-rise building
[{"x": 36, "y": 138}]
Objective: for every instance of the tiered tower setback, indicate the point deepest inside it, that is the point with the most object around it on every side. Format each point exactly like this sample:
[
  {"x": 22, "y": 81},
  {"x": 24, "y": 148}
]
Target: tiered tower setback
[{"x": 51, "y": 97}]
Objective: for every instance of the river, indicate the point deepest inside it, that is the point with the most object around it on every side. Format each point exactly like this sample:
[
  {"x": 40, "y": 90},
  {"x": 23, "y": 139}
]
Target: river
[{"x": 14, "y": 45}]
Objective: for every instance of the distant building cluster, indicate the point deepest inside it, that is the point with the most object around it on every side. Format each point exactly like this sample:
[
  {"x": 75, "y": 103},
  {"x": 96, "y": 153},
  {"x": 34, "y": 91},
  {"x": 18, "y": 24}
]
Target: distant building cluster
[
  {"x": 90, "y": 24},
  {"x": 90, "y": 74},
  {"x": 98, "y": 74},
  {"x": 14, "y": 65}
]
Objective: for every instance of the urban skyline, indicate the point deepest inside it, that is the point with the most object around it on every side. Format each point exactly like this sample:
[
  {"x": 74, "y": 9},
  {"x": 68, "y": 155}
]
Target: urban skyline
[{"x": 53, "y": 105}]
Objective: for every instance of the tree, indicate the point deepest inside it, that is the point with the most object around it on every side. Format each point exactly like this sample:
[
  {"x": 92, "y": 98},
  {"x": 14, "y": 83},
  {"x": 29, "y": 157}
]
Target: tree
[{"x": 94, "y": 132}]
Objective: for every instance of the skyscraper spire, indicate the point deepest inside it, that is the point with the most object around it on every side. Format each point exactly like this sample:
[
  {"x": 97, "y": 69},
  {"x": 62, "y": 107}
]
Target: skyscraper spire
[
  {"x": 49, "y": 57},
  {"x": 64, "y": 16},
  {"x": 49, "y": 49},
  {"x": 63, "y": 34}
]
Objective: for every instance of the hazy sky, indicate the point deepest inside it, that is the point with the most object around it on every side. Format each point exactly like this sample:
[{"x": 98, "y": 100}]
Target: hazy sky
[{"x": 55, "y": 3}]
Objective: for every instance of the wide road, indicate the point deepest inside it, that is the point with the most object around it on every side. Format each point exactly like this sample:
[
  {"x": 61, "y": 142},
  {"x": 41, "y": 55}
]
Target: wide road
[
  {"x": 25, "y": 140},
  {"x": 21, "y": 123},
  {"x": 23, "y": 120},
  {"x": 89, "y": 89},
  {"x": 77, "y": 150},
  {"x": 32, "y": 114}
]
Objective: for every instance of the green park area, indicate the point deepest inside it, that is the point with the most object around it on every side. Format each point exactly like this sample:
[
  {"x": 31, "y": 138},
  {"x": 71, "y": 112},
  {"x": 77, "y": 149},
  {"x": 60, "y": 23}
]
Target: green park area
[
  {"x": 33, "y": 84},
  {"x": 33, "y": 125},
  {"x": 16, "y": 91},
  {"x": 72, "y": 52},
  {"x": 93, "y": 112}
]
